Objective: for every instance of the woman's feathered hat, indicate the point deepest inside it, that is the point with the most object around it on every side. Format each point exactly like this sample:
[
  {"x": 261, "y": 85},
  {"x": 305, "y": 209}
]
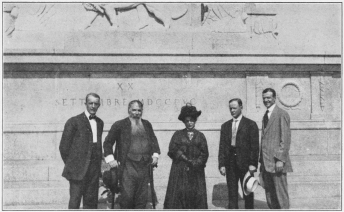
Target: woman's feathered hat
[{"x": 188, "y": 110}]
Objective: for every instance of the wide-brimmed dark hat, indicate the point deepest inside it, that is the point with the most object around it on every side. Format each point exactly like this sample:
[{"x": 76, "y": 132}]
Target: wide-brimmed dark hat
[
  {"x": 110, "y": 179},
  {"x": 188, "y": 110}
]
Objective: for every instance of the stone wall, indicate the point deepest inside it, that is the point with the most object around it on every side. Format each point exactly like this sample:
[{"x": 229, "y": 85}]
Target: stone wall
[{"x": 48, "y": 70}]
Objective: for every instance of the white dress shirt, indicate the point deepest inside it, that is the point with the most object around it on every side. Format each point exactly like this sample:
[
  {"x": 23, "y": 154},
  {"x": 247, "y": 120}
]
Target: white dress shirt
[
  {"x": 236, "y": 123},
  {"x": 270, "y": 109},
  {"x": 93, "y": 124}
]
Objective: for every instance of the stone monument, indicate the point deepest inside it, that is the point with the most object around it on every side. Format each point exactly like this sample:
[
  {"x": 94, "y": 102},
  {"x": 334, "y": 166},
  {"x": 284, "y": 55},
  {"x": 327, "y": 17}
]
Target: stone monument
[{"x": 168, "y": 54}]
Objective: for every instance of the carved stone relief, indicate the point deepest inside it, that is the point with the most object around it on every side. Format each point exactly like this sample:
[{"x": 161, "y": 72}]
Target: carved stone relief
[
  {"x": 10, "y": 15},
  {"x": 220, "y": 18},
  {"x": 144, "y": 10},
  {"x": 224, "y": 17},
  {"x": 238, "y": 18},
  {"x": 322, "y": 92},
  {"x": 290, "y": 95}
]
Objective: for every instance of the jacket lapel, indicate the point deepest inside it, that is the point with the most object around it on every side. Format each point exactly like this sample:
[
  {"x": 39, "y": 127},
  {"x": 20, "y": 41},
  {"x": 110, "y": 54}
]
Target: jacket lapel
[
  {"x": 241, "y": 124},
  {"x": 99, "y": 130},
  {"x": 86, "y": 121},
  {"x": 272, "y": 118},
  {"x": 127, "y": 130},
  {"x": 229, "y": 128}
]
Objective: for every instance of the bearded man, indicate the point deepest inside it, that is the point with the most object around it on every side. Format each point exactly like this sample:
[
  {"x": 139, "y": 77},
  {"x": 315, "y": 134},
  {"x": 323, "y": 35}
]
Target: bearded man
[{"x": 137, "y": 148}]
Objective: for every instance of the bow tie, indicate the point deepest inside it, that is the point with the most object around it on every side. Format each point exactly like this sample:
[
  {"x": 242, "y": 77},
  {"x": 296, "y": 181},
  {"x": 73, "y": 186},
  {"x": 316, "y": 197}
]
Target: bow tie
[{"x": 92, "y": 117}]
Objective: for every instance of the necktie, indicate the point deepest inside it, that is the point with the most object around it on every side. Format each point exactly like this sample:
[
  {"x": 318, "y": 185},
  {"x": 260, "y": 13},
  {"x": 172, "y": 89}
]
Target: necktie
[
  {"x": 92, "y": 117},
  {"x": 234, "y": 129},
  {"x": 266, "y": 119}
]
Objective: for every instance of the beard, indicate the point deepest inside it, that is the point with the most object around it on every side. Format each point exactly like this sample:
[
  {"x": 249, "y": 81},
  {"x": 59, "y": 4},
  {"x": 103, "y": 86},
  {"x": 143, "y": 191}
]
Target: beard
[{"x": 136, "y": 126}]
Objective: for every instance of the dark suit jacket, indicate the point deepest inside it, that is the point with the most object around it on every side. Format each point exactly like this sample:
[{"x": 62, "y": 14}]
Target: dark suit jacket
[
  {"x": 276, "y": 138},
  {"x": 76, "y": 146},
  {"x": 120, "y": 132},
  {"x": 247, "y": 144}
]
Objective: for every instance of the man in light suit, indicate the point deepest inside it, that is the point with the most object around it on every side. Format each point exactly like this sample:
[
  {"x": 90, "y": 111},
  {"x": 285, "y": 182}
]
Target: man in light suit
[
  {"x": 274, "y": 154},
  {"x": 238, "y": 152},
  {"x": 137, "y": 148},
  {"x": 81, "y": 151}
]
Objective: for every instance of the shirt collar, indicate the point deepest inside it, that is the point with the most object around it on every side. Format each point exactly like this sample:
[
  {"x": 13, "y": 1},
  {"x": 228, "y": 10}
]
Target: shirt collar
[
  {"x": 239, "y": 118},
  {"x": 271, "y": 108},
  {"x": 87, "y": 114}
]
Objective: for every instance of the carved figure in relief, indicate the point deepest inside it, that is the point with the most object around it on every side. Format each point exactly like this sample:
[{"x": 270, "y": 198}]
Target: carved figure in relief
[
  {"x": 10, "y": 15},
  {"x": 238, "y": 18},
  {"x": 262, "y": 25},
  {"x": 225, "y": 17},
  {"x": 143, "y": 9}
]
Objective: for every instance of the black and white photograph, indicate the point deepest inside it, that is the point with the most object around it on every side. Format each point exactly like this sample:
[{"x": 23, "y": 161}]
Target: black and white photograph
[{"x": 171, "y": 105}]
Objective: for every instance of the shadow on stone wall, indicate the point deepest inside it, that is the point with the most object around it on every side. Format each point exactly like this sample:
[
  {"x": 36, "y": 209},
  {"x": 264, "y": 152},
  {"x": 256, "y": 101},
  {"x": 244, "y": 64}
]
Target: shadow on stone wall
[{"x": 220, "y": 198}]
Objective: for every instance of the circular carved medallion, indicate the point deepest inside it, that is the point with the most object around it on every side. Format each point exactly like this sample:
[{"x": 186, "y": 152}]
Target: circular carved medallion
[{"x": 290, "y": 95}]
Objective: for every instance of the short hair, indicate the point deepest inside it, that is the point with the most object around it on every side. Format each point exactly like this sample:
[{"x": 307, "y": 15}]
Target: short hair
[
  {"x": 237, "y": 100},
  {"x": 135, "y": 101},
  {"x": 270, "y": 90},
  {"x": 92, "y": 94}
]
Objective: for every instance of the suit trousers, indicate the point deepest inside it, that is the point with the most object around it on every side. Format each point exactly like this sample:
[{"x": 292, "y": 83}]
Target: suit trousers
[
  {"x": 87, "y": 188},
  {"x": 276, "y": 189},
  {"x": 233, "y": 175},
  {"x": 134, "y": 193}
]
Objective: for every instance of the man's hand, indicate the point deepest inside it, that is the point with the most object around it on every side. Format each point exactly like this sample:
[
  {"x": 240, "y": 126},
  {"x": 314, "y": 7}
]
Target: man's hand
[
  {"x": 279, "y": 166},
  {"x": 223, "y": 171},
  {"x": 252, "y": 169},
  {"x": 113, "y": 164},
  {"x": 155, "y": 161}
]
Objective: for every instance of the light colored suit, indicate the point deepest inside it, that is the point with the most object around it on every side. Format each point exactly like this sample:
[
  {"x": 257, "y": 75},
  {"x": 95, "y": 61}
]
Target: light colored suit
[
  {"x": 275, "y": 145},
  {"x": 275, "y": 141}
]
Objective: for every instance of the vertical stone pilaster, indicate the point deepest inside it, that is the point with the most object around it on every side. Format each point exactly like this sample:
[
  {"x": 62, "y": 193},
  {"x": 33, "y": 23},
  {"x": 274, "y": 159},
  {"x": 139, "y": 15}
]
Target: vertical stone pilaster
[
  {"x": 254, "y": 87},
  {"x": 318, "y": 90}
]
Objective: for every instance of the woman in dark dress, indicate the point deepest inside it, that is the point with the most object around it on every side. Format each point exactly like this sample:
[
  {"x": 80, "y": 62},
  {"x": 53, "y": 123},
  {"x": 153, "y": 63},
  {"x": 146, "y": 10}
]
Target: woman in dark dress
[{"x": 189, "y": 151}]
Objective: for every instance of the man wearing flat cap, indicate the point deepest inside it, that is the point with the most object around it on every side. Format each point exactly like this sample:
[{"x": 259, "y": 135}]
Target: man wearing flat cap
[
  {"x": 238, "y": 152},
  {"x": 137, "y": 148}
]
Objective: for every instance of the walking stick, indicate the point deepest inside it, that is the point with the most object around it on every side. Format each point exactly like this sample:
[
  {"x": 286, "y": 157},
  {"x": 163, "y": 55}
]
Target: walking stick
[{"x": 152, "y": 184}]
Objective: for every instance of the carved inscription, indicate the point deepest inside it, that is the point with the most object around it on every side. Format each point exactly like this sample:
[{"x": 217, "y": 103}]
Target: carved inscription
[{"x": 118, "y": 102}]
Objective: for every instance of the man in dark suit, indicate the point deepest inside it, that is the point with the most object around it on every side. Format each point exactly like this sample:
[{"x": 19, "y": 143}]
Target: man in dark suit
[
  {"x": 137, "y": 148},
  {"x": 81, "y": 151},
  {"x": 238, "y": 152},
  {"x": 274, "y": 154}
]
